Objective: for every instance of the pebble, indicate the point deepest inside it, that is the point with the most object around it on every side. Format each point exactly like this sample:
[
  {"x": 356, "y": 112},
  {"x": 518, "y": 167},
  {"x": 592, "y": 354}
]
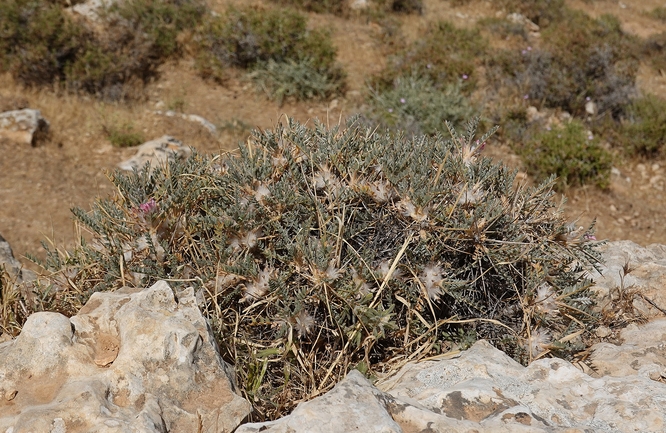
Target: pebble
[
  {"x": 613, "y": 208},
  {"x": 655, "y": 167},
  {"x": 603, "y": 332}
]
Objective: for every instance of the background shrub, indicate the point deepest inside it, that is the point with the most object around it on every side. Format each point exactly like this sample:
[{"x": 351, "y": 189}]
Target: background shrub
[
  {"x": 643, "y": 131},
  {"x": 416, "y": 106},
  {"x": 288, "y": 59},
  {"x": 445, "y": 54},
  {"x": 41, "y": 45},
  {"x": 298, "y": 79},
  {"x": 316, "y": 251},
  {"x": 569, "y": 152},
  {"x": 580, "y": 58}
]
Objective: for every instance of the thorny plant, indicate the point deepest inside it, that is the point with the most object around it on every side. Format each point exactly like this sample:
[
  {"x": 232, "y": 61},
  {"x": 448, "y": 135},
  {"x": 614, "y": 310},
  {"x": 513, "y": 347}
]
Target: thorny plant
[{"x": 315, "y": 251}]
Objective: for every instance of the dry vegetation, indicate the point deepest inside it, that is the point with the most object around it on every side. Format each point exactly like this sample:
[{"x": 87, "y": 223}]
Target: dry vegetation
[{"x": 403, "y": 67}]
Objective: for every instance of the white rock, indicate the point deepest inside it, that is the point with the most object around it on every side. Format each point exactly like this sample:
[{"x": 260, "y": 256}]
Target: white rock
[
  {"x": 157, "y": 152},
  {"x": 130, "y": 361},
  {"x": 483, "y": 391},
  {"x": 23, "y": 126},
  {"x": 647, "y": 272}
]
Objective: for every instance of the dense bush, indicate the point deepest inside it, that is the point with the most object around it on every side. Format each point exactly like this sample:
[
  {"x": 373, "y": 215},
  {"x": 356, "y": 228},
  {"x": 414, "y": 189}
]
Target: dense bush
[
  {"x": 415, "y": 105},
  {"x": 317, "y": 251},
  {"x": 444, "y": 53},
  {"x": 341, "y": 7},
  {"x": 569, "y": 152},
  {"x": 42, "y": 45},
  {"x": 289, "y": 58},
  {"x": 580, "y": 58}
]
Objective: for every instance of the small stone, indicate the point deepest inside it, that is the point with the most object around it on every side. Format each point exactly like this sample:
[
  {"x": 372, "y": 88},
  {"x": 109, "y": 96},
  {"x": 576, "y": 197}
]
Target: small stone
[
  {"x": 641, "y": 167},
  {"x": 615, "y": 171},
  {"x": 613, "y": 208},
  {"x": 655, "y": 167},
  {"x": 11, "y": 394},
  {"x": 603, "y": 332},
  {"x": 621, "y": 220}
]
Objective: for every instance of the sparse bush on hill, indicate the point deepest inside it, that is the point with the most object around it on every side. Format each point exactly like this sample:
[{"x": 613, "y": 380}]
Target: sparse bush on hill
[
  {"x": 341, "y": 7},
  {"x": 580, "y": 58},
  {"x": 316, "y": 251},
  {"x": 541, "y": 12},
  {"x": 643, "y": 130},
  {"x": 277, "y": 44},
  {"x": 445, "y": 54},
  {"x": 416, "y": 106},
  {"x": 42, "y": 45},
  {"x": 569, "y": 152}
]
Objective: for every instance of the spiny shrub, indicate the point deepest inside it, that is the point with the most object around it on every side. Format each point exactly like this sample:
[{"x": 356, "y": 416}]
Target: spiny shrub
[
  {"x": 123, "y": 135},
  {"x": 316, "y": 251},
  {"x": 580, "y": 58},
  {"x": 416, "y": 106},
  {"x": 569, "y": 152},
  {"x": 444, "y": 53},
  {"x": 643, "y": 131}
]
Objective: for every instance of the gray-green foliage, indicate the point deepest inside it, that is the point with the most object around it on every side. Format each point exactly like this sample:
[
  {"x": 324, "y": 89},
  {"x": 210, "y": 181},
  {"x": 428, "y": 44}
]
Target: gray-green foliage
[
  {"x": 317, "y": 251},
  {"x": 414, "y": 104},
  {"x": 298, "y": 79}
]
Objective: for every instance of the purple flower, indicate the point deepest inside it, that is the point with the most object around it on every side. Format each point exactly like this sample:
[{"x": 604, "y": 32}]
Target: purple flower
[
  {"x": 428, "y": 66},
  {"x": 529, "y": 48},
  {"x": 464, "y": 77},
  {"x": 149, "y": 206},
  {"x": 402, "y": 100},
  {"x": 390, "y": 110},
  {"x": 588, "y": 98},
  {"x": 524, "y": 52},
  {"x": 590, "y": 137},
  {"x": 526, "y": 97},
  {"x": 590, "y": 237}
]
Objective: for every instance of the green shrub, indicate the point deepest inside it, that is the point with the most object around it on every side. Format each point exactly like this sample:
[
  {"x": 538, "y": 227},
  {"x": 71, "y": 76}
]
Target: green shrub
[
  {"x": 580, "y": 58},
  {"x": 42, "y": 45},
  {"x": 337, "y": 7},
  {"x": 298, "y": 79},
  {"x": 123, "y": 135},
  {"x": 248, "y": 37},
  {"x": 570, "y": 153},
  {"x": 444, "y": 53},
  {"x": 643, "y": 131},
  {"x": 317, "y": 251},
  {"x": 541, "y": 12},
  {"x": 654, "y": 49},
  {"x": 502, "y": 27},
  {"x": 415, "y": 105},
  {"x": 658, "y": 13},
  {"x": 38, "y": 40}
]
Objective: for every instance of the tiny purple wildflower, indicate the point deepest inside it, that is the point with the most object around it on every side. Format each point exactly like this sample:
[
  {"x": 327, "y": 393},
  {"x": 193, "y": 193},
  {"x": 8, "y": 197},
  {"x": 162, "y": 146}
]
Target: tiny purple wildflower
[
  {"x": 588, "y": 98},
  {"x": 529, "y": 48},
  {"x": 526, "y": 97},
  {"x": 148, "y": 206},
  {"x": 524, "y": 52},
  {"x": 590, "y": 237},
  {"x": 390, "y": 110},
  {"x": 402, "y": 100},
  {"x": 465, "y": 76},
  {"x": 428, "y": 66},
  {"x": 590, "y": 137},
  {"x": 548, "y": 128}
]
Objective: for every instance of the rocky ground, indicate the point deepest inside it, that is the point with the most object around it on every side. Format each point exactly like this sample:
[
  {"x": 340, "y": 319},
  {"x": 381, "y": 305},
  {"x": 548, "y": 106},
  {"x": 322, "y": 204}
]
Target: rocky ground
[{"x": 39, "y": 184}]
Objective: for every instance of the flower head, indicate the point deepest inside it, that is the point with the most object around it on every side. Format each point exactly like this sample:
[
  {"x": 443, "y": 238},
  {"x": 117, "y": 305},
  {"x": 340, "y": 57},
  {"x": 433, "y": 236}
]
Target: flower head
[{"x": 149, "y": 206}]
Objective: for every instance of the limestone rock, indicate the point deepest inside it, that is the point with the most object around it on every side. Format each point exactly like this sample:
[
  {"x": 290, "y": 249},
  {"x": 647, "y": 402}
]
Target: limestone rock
[
  {"x": 484, "y": 391},
  {"x": 157, "y": 152},
  {"x": 646, "y": 275},
  {"x": 130, "y": 361},
  {"x": 23, "y": 126},
  {"x": 643, "y": 352}
]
